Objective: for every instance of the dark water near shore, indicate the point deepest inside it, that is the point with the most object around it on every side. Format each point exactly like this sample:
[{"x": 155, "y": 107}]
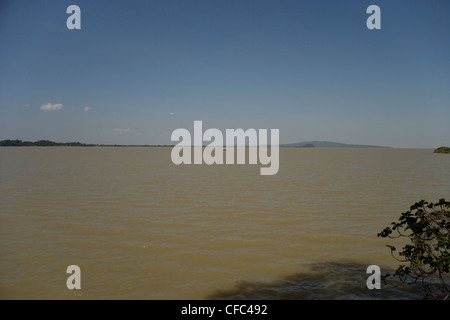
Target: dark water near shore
[
  {"x": 326, "y": 280},
  {"x": 140, "y": 227}
]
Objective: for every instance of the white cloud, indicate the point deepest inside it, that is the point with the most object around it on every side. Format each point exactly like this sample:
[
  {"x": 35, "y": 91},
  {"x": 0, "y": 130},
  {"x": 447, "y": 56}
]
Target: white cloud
[
  {"x": 86, "y": 109},
  {"x": 27, "y": 105},
  {"x": 122, "y": 130},
  {"x": 171, "y": 113},
  {"x": 51, "y": 107}
]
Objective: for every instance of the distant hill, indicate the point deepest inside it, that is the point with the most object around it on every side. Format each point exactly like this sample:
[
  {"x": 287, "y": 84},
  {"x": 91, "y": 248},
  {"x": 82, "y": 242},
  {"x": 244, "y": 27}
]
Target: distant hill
[{"x": 329, "y": 144}]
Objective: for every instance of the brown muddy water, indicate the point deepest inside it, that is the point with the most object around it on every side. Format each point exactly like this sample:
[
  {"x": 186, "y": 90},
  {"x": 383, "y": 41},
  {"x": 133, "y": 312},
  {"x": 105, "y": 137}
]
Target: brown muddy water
[{"x": 140, "y": 227}]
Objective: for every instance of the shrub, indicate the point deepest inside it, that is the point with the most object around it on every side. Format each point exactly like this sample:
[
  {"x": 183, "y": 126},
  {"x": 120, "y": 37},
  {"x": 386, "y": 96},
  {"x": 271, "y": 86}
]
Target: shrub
[{"x": 426, "y": 257}]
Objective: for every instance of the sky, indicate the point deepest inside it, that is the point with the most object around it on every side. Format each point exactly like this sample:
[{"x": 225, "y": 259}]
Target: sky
[{"x": 137, "y": 70}]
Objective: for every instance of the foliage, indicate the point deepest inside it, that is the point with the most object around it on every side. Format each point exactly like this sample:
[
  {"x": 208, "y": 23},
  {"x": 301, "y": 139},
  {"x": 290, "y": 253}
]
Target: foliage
[
  {"x": 47, "y": 143},
  {"x": 427, "y": 257},
  {"x": 442, "y": 150},
  {"x": 41, "y": 143}
]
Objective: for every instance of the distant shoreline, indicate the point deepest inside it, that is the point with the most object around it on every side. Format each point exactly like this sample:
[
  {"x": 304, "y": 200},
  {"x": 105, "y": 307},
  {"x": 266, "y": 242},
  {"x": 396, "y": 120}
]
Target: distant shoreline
[
  {"x": 48, "y": 143},
  {"x": 322, "y": 145},
  {"x": 328, "y": 144},
  {"x": 442, "y": 150}
]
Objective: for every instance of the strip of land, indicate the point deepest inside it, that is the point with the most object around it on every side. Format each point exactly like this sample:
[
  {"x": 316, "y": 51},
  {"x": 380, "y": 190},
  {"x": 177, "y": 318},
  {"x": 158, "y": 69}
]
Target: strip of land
[
  {"x": 48, "y": 143},
  {"x": 328, "y": 144},
  {"x": 442, "y": 150}
]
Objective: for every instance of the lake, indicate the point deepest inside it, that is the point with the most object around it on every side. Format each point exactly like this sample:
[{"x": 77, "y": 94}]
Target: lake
[{"x": 140, "y": 227}]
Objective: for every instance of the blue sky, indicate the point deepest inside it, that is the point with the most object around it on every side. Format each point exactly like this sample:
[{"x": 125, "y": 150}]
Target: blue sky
[{"x": 144, "y": 68}]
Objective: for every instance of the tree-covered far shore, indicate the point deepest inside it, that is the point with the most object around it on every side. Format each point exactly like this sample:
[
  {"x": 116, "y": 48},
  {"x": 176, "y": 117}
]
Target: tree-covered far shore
[
  {"x": 40, "y": 143},
  {"x": 48, "y": 143}
]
